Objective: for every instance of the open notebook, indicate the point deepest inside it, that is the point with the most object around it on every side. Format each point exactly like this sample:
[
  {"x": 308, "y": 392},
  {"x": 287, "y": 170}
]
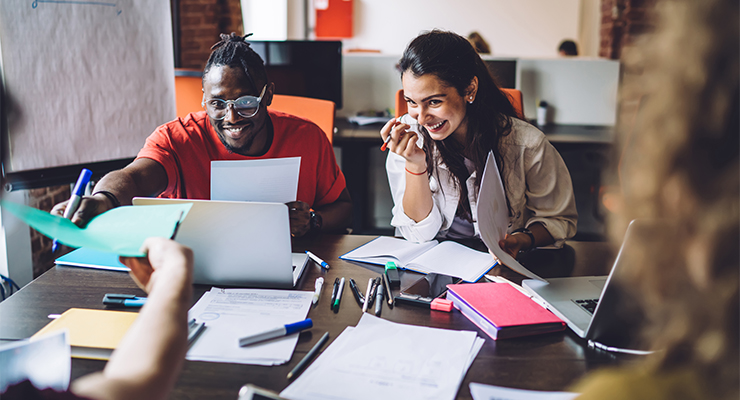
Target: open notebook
[{"x": 449, "y": 258}]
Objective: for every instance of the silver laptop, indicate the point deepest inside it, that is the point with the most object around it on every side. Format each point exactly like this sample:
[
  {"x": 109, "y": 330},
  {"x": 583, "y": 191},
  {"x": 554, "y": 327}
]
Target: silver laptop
[
  {"x": 597, "y": 308},
  {"x": 238, "y": 243}
]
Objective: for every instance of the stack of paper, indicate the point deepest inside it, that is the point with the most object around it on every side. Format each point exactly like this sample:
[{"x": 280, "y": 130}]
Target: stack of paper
[
  {"x": 480, "y": 391},
  {"x": 230, "y": 314},
  {"x": 380, "y": 359}
]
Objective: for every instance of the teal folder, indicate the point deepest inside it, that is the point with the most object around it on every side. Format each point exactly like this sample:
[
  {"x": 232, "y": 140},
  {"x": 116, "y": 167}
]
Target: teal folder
[{"x": 90, "y": 258}]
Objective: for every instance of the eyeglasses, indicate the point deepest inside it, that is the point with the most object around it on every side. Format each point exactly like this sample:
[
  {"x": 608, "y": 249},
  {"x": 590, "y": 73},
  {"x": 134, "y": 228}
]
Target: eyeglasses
[{"x": 246, "y": 106}]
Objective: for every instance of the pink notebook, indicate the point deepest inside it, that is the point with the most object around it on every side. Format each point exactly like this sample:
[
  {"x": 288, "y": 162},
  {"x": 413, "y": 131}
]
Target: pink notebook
[{"x": 502, "y": 311}]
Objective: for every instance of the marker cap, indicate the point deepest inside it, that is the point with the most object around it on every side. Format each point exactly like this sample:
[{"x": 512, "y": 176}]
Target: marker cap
[
  {"x": 442, "y": 305},
  {"x": 298, "y": 326}
]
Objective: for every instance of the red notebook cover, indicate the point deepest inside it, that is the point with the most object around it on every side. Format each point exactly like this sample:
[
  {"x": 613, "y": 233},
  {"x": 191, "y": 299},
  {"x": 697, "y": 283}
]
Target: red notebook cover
[{"x": 502, "y": 311}]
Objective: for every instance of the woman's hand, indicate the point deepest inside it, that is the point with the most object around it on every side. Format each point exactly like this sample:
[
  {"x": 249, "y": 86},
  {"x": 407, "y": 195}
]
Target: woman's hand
[
  {"x": 403, "y": 142},
  {"x": 165, "y": 260},
  {"x": 512, "y": 244}
]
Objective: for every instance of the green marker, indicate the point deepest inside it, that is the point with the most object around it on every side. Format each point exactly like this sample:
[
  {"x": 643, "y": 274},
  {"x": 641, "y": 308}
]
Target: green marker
[
  {"x": 339, "y": 295},
  {"x": 392, "y": 273}
]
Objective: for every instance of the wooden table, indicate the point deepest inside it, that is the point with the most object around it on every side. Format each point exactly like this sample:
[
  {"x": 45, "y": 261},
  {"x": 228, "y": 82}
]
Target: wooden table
[{"x": 545, "y": 362}]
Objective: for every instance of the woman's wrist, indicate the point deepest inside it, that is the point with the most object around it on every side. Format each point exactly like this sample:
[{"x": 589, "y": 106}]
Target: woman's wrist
[
  {"x": 528, "y": 233},
  {"x": 414, "y": 169}
]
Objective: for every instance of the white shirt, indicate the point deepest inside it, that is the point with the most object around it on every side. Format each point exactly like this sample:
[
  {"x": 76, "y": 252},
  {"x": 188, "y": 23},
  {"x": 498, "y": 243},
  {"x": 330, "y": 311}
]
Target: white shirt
[{"x": 537, "y": 182}]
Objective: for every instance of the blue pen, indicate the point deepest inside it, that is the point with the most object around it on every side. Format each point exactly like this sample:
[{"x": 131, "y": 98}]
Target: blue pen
[
  {"x": 123, "y": 300},
  {"x": 74, "y": 200},
  {"x": 317, "y": 260},
  {"x": 276, "y": 332}
]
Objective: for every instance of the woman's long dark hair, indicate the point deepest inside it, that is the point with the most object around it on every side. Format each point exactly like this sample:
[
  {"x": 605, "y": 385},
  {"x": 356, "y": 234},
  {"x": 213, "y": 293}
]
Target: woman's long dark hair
[{"x": 452, "y": 59}]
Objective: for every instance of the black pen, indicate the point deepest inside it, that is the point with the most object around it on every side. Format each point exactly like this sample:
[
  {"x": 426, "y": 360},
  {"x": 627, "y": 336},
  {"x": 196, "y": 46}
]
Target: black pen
[
  {"x": 379, "y": 300},
  {"x": 334, "y": 293},
  {"x": 339, "y": 295},
  {"x": 373, "y": 291},
  {"x": 309, "y": 356},
  {"x": 358, "y": 296},
  {"x": 388, "y": 291}
]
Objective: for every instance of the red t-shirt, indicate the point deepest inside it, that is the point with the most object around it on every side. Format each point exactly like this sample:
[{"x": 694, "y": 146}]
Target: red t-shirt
[{"x": 186, "y": 146}]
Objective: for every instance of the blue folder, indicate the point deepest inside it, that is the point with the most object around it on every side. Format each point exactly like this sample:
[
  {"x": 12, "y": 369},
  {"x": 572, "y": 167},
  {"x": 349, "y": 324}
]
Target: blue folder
[{"x": 89, "y": 258}]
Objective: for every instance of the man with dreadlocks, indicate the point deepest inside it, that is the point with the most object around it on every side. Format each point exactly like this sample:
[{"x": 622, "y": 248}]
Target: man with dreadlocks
[{"x": 236, "y": 125}]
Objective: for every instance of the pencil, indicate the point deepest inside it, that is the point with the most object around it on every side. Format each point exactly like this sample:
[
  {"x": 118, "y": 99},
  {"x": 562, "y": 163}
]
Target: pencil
[{"x": 309, "y": 356}]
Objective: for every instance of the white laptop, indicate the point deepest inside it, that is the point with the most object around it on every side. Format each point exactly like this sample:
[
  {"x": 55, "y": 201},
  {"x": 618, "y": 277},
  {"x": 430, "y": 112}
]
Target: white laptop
[
  {"x": 596, "y": 308},
  {"x": 238, "y": 243}
]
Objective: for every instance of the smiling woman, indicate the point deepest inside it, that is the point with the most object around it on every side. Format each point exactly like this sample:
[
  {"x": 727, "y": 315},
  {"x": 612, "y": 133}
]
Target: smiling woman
[{"x": 463, "y": 116}]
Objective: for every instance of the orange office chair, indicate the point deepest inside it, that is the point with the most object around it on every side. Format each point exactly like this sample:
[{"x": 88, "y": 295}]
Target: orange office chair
[
  {"x": 514, "y": 95},
  {"x": 188, "y": 91},
  {"x": 321, "y": 112}
]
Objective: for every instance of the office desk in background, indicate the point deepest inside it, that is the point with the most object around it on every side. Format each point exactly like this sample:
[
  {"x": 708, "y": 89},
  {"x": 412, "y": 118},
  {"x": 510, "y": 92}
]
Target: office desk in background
[
  {"x": 585, "y": 149},
  {"x": 545, "y": 362}
]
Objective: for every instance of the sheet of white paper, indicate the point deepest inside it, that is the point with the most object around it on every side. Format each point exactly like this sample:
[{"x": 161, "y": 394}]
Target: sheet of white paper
[
  {"x": 454, "y": 259},
  {"x": 230, "y": 314},
  {"x": 480, "y": 391},
  {"x": 272, "y": 180},
  {"x": 382, "y": 359},
  {"x": 45, "y": 361},
  {"x": 493, "y": 217}
]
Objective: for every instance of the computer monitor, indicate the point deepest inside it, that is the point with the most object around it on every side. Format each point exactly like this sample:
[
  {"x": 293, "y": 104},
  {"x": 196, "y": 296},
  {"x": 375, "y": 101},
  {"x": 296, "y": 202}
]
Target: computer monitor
[
  {"x": 304, "y": 68},
  {"x": 504, "y": 71}
]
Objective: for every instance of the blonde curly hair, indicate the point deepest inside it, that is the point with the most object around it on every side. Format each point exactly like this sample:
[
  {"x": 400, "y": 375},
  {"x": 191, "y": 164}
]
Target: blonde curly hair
[{"x": 682, "y": 167}]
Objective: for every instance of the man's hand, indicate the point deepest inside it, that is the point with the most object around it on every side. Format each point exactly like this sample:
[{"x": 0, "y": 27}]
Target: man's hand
[
  {"x": 300, "y": 218},
  {"x": 89, "y": 207}
]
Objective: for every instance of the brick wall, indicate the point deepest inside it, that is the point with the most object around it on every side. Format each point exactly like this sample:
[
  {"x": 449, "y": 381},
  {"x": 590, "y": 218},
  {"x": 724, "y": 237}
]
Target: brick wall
[
  {"x": 44, "y": 199},
  {"x": 201, "y": 21},
  {"x": 622, "y": 22}
]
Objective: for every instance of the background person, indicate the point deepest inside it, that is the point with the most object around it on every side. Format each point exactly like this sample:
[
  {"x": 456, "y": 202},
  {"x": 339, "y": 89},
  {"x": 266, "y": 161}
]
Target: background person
[
  {"x": 463, "y": 116},
  {"x": 683, "y": 169},
  {"x": 567, "y": 48},
  {"x": 479, "y": 44},
  {"x": 236, "y": 125}
]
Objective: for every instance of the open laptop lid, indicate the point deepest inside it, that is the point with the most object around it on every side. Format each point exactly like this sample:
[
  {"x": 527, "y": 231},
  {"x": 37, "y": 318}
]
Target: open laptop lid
[
  {"x": 244, "y": 244},
  {"x": 617, "y": 318}
]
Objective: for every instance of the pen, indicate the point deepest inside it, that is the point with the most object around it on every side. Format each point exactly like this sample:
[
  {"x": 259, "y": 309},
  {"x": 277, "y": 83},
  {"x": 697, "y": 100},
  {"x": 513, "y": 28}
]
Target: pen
[
  {"x": 317, "y": 260},
  {"x": 194, "y": 330},
  {"x": 123, "y": 300},
  {"x": 309, "y": 356},
  {"x": 358, "y": 296},
  {"x": 367, "y": 296},
  {"x": 373, "y": 291},
  {"x": 379, "y": 300},
  {"x": 177, "y": 226},
  {"x": 317, "y": 291},
  {"x": 284, "y": 330},
  {"x": 74, "y": 200},
  {"x": 388, "y": 291},
  {"x": 339, "y": 295},
  {"x": 385, "y": 142},
  {"x": 334, "y": 293}
]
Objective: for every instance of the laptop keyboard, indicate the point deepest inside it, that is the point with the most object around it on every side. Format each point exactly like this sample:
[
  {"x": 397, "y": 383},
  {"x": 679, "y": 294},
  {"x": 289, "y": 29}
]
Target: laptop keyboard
[{"x": 588, "y": 304}]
